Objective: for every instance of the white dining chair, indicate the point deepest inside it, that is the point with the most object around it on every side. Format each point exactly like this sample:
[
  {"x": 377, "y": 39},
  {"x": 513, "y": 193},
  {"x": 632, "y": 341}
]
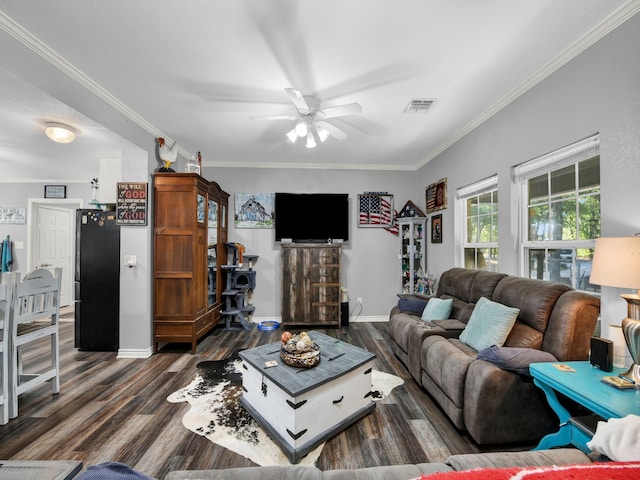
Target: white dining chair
[
  {"x": 34, "y": 316},
  {"x": 6, "y": 289}
]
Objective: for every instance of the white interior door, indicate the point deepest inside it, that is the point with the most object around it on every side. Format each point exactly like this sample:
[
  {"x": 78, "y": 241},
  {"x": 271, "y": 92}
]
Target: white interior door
[{"x": 54, "y": 237}]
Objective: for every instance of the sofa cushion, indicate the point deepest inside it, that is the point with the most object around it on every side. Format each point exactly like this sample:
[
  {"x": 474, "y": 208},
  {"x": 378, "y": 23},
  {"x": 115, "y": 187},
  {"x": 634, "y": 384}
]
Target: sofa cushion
[
  {"x": 444, "y": 364},
  {"x": 490, "y": 324},
  {"x": 514, "y": 359},
  {"x": 412, "y": 305},
  {"x": 386, "y": 472},
  {"x": 460, "y": 309},
  {"x": 437, "y": 309},
  {"x": 450, "y": 324},
  {"x": 536, "y": 300},
  {"x": 293, "y": 472},
  {"x": 111, "y": 471}
]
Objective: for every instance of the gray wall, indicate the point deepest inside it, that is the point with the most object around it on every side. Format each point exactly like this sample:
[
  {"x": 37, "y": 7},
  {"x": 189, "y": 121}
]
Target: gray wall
[
  {"x": 598, "y": 91},
  {"x": 370, "y": 267},
  {"x": 135, "y": 290},
  {"x": 17, "y": 195}
]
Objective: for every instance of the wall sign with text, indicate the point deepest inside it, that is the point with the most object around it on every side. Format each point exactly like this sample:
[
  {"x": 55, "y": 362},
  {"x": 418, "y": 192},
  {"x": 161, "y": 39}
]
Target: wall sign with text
[{"x": 131, "y": 205}]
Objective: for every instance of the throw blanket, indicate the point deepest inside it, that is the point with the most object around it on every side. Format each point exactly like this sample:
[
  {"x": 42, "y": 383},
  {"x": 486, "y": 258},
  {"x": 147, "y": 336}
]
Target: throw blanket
[
  {"x": 593, "y": 471},
  {"x": 618, "y": 439},
  {"x": 5, "y": 255}
]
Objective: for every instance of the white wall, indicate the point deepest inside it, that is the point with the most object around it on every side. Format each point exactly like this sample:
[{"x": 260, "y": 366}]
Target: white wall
[{"x": 599, "y": 91}]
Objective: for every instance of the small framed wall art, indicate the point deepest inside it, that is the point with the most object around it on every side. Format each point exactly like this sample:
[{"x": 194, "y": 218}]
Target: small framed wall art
[
  {"x": 436, "y": 229},
  {"x": 375, "y": 209},
  {"x": 437, "y": 196},
  {"x": 131, "y": 203},
  {"x": 55, "y": 191}
]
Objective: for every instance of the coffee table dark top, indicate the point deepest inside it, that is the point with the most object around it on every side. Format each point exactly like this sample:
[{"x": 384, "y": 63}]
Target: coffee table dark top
[{"x": 336, "y": 359}]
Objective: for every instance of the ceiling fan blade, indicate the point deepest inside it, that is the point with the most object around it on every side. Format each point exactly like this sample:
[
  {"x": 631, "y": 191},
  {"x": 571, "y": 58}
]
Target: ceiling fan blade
[
  {"x": 298, "y": 100},
  {"x": 341, "y": 110},
  {"x": 275, "y": 117},
  {"x": 332, "y": 129}
]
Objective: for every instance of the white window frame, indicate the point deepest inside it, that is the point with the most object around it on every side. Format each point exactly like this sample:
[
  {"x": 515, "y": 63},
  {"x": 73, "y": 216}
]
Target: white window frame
[
  {"x": 480, "y": 187},
  {"x": 569, "y": 155}
]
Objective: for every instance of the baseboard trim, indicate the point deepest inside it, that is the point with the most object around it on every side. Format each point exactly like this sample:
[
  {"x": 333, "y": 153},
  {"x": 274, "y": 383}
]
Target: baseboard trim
[
  {"x": 135, "y": 353},
  {"x": 359, "y": 319},
  {"x": 372, "y": 319}
]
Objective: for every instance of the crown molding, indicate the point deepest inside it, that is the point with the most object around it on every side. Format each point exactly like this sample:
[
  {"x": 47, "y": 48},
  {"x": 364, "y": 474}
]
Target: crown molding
[
  {"x": 310, "y": 166},
  {"x": 613, "y": 21},
  {"x": 54, "y": 181}
]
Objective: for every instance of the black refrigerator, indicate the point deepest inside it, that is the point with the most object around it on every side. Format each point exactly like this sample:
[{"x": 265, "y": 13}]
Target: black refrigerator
[{"x": 97, "y": 281}]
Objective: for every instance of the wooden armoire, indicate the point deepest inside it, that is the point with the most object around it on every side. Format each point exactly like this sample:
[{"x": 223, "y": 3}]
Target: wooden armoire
[{"x": 190, "y": 233}]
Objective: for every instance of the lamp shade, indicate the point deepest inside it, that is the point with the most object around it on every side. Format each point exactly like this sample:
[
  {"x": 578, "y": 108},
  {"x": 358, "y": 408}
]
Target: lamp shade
[{"x": 616, "y": 262}]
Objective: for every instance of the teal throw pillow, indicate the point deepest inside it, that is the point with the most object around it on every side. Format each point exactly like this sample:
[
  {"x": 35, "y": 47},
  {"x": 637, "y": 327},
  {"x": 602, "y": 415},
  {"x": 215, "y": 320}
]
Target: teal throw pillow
[
  {"x": 489, "y": 324},
  {"x": 437, "y": 309}
]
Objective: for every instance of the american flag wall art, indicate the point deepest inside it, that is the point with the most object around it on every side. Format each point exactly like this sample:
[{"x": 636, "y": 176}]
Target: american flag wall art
[{"x": 375, "y": 210}]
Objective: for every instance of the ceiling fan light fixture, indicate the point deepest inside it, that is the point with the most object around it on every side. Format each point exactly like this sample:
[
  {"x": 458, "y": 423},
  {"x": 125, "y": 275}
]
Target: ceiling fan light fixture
[
  {"x": 323, "y": 133},
  {"x": 292, "y": 135},
  {"x": 301, "y": 129},
  {"x": 311, "y": 142}
]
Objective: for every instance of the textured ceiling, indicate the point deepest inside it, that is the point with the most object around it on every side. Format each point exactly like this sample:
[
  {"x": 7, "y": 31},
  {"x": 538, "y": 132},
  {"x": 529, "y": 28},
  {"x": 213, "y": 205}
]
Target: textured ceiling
[{"x": 196, "y": 71}]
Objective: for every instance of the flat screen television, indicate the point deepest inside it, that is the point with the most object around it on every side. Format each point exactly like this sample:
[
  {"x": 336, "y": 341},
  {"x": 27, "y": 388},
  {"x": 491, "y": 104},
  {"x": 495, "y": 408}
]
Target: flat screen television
[{"x": 312, "y": 217}]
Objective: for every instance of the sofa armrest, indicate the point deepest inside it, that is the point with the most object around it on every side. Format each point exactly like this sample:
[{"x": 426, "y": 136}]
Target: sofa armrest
[
  {"x": 559, "y": 456},
  {"x": 293, "y": 472},
  {"x": 502, "y": 406}
]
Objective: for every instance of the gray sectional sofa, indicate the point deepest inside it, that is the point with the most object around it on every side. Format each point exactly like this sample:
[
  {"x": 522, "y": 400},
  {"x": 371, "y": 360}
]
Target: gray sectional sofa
[
  {"x": 493, "y": 404},
  {"x": 564, "y": 456}
]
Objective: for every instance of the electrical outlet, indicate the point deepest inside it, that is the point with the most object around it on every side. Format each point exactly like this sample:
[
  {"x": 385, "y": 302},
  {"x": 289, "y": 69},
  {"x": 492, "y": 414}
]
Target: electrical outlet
[{"x": 359, "y": 300}]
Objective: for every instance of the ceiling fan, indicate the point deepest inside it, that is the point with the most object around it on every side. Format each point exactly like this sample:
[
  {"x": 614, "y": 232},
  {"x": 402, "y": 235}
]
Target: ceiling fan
[{"x": 311, "y": 119}]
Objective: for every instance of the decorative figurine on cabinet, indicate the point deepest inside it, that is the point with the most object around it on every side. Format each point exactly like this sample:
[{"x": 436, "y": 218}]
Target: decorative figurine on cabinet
[{"x": 167, "y": 154}]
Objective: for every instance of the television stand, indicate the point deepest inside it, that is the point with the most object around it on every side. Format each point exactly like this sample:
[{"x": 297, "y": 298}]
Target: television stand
[{"x": 311, "y": 284}]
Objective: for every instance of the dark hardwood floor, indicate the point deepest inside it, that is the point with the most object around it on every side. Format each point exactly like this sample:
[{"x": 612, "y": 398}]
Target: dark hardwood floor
[{"x": 113, "y": 409}]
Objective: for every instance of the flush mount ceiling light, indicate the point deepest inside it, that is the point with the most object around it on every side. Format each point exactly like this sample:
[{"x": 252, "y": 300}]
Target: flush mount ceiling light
[{"x": 59, "y": 132}]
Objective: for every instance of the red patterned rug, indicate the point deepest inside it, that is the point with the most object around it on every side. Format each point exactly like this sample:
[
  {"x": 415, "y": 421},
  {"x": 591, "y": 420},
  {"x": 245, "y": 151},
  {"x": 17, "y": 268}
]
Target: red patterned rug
[{"x": 594, "y": 471}]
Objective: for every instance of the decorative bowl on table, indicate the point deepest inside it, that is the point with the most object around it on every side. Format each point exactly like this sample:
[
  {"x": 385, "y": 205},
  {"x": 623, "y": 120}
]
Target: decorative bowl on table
[{"x": 299, "y": 350}]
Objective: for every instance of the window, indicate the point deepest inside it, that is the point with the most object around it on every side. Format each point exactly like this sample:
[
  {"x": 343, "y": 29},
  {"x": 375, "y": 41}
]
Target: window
[
  {"x": 479, "y": 208},
  {"x": 560, "y": 194}
]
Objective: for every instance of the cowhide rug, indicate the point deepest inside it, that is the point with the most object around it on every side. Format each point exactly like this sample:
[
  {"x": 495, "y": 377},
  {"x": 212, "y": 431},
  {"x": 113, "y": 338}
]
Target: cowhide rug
[{"x": 216, "y": 412}]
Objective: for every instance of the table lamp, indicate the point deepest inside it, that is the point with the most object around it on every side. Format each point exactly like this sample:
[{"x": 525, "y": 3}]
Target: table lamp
[{"x": 616, "y": 263}]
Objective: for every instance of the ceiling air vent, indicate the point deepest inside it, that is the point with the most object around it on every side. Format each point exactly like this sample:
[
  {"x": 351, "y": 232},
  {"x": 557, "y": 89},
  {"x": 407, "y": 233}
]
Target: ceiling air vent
[{"x": 419, "y": 105}]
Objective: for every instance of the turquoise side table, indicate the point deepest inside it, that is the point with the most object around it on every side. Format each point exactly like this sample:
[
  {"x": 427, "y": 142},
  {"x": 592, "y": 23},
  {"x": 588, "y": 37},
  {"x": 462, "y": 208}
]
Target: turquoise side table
[{"x": 585, "y": 388}]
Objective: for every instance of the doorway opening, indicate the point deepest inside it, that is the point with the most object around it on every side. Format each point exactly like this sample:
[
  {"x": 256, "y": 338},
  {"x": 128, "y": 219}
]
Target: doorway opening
[{"x": 51, "y": 239}]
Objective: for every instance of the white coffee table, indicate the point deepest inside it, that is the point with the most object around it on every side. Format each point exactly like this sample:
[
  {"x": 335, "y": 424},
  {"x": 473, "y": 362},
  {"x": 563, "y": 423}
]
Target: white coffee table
[{"x": 301, "y": 408}]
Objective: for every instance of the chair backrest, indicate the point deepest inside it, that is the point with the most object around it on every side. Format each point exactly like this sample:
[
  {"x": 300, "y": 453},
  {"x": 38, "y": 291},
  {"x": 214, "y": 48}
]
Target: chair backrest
[
  {"x": 6, "y": 289},
  {"x": 6, "y": 297},
  {"x": 37, "y": 296}
]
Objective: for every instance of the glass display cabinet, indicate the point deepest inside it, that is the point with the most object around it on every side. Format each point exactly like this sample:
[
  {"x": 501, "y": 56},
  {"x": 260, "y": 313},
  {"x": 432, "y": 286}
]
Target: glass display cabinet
[
  {"x": 212, "y": 252},
  {"x": 413, "y": 254}
]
